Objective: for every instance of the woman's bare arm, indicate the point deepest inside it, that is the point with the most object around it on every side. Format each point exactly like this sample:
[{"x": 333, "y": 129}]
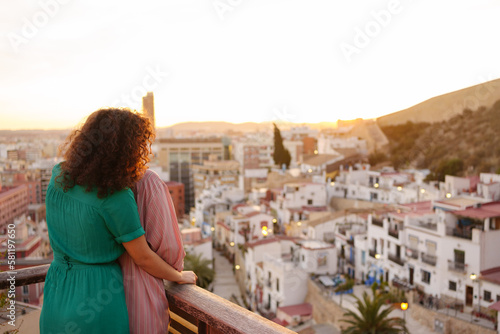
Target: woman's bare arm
[{"x": 148, "y": 260}]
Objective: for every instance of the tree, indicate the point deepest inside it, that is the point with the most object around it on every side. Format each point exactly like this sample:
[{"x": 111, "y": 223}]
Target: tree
[
  {"x": 372, "y": 317},
  {"x": 281, "y": 154},
  {"x": 201, "y": 268}
]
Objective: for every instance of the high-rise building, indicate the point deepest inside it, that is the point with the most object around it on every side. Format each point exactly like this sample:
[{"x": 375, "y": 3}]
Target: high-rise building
[
  {"x": 177, "y": 155},
  {"x": 176, "y": 190},
  {"x": 148, "y": 107}
]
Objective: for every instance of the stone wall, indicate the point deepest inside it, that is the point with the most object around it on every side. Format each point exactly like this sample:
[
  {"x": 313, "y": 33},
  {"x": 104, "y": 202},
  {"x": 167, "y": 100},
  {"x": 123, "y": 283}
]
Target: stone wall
[
  {"x": 442, "y": 323},
  {"x": 324, "y": 309}
]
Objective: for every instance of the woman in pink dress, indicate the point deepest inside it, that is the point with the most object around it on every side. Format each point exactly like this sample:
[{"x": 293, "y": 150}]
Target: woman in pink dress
[{"x": 145, "y": 294}]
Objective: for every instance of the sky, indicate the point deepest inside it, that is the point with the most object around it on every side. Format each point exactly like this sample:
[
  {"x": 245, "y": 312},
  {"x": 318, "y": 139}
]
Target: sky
[{"x": 302, "y": 61}]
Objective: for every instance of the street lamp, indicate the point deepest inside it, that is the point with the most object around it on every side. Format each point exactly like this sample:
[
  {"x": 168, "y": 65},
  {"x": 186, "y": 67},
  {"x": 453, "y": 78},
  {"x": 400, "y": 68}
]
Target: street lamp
[
  {"x": 473, "y": 277},
  {"x": 404, "y": 307}
]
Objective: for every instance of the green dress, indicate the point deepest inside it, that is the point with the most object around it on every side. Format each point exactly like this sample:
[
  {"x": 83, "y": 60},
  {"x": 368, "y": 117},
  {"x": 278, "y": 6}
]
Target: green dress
[{"x": 83, "y": 290}]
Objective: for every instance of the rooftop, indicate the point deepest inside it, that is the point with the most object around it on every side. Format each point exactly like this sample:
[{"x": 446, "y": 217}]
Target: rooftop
[
  {"x": 487, "y": 210},
  {"x": 491, "y": 275},
  {"x": 299, "y": 309},
  {"x": 459, "y": 202},
  {"x": 319, "y": 159}
]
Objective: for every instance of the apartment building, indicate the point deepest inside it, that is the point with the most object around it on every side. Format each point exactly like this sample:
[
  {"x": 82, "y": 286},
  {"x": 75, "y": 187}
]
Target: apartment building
[
  {"x": 177, "y": 155},
  {"x": 215, "y": 173}
]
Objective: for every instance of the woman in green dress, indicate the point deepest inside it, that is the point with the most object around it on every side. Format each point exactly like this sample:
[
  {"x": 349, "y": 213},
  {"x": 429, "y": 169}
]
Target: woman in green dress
[{"x": 92, "y": 219}]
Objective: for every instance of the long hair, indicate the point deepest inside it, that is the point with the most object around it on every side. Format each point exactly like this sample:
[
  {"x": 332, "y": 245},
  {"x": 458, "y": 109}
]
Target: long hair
[{"x": 109, "y": 153}]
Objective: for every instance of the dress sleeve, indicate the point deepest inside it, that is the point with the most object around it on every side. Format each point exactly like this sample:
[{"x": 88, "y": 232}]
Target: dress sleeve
[
  {"x": 121, "y": 216},
  {"x": 160, "y": 221}
]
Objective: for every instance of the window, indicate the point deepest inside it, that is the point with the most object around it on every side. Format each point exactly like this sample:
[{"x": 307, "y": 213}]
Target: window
[
  {"x": 309, "y": 202},
  {"x": 303, "y": 258},
  {"x": 277, "y": 284},
  {"x": 452, "y": 286},
  {"x": 426, "y": 276},
  {"x": 487, "y": 295},
  {"x": 26, "y": 290},
  {"x": 363, "y": 257},
  {"x": 498, "y": 298}
]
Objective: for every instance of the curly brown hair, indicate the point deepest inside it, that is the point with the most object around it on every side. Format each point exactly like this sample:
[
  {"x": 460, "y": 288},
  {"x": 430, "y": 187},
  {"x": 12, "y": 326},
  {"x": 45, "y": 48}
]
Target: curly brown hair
[{"x": 109, "y": 153}]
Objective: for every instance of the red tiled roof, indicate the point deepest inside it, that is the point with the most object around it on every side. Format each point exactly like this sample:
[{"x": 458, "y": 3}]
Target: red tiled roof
[
  {"x": 299, "y": 309},
  {"x": 253, "y": 213},
  {"x": 491, "y": 275},
  {"x": 283, "y": 323},
  {"x": 485, "y": 211}
]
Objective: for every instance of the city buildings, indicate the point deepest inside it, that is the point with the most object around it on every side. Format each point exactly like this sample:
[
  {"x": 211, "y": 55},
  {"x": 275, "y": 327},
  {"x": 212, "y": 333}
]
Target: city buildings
[{"x": 177, "y": 155}]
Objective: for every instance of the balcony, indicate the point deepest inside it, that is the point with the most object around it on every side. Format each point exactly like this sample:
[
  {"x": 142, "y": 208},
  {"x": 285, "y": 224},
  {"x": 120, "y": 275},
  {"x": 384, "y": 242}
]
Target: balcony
[
  {"x": 396, "y": 259},
  {"x": 423, "y": 224},
  {"x": 394, "y": 233},
  {"x": 192, "y": 309},
  {"x": 412, "y": 253},
  {"x": 457, "y": 267},
  {"x": 429, "y": 259},
  {"x": 462, "y": 233},
  {"x": 377, "y": 222}
]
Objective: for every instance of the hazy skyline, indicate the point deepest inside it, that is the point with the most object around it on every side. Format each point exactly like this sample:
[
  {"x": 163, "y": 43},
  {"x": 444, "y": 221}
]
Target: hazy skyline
[{"x": 237, "y": 60}]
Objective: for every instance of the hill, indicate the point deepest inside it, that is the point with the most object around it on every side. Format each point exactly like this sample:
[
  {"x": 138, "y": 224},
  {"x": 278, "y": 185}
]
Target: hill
[
  {"x": 444, "y": 107},
  {"x": 467, "y": 144}
]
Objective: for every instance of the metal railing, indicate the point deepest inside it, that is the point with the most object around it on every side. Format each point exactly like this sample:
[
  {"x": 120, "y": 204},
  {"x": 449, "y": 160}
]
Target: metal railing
[
  {"x": 412, "y": 253},
  {"x": 396, "y": 259},
  {"x": 457, "y": 267},
  {"x": 393, "y": 233},
  {"x": 192, "y": 309},
  {"x": 429, "y": 259}
]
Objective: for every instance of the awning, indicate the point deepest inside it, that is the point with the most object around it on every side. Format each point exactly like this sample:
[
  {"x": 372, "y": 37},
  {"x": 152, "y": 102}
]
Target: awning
[
  {"x": 495, "y": 306},
  {"x": 326, "y": 281}
]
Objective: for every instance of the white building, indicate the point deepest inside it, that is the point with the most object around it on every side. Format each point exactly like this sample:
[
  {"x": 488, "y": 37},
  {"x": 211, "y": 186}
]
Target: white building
[
  {"x": 318, "y": 163},
  {"x": 277, "y": 247},
  {"x": 295, "y": 198},
  {"x": 380, "y": 187}
]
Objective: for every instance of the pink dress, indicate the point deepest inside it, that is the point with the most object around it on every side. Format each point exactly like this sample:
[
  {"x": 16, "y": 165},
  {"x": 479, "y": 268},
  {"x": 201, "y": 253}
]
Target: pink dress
[{"x": 145, "y": 294}]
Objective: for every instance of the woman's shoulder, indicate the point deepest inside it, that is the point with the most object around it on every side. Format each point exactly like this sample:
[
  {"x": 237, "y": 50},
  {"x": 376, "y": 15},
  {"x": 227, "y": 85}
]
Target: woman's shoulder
[{"x": 151, "y": 178}]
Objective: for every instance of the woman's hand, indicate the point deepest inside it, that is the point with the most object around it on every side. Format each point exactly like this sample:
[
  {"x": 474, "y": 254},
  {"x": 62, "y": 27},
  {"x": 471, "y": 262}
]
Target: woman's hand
[{"x": 188, "y": 277}]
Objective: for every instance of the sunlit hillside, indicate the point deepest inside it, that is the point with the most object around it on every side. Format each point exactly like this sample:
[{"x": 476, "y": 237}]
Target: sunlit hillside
[{"x": 446, "y": 106}]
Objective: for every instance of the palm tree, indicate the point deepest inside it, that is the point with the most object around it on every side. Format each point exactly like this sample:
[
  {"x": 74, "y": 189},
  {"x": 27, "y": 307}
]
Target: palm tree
[
  {"x": 201, "y": 268},
  {"x": 372, "y": 317}
]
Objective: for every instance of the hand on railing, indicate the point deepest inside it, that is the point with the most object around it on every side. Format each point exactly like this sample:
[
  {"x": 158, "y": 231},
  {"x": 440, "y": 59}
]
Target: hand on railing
[{"x": 188, "y": 277}]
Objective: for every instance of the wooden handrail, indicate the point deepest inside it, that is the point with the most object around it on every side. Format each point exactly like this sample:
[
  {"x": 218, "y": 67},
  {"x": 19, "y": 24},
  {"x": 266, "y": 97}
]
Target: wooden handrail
[
  {"x": 202, "y": 309},
  {"x": 25, "y": 276},
  {"x": 217, "y": 314}
]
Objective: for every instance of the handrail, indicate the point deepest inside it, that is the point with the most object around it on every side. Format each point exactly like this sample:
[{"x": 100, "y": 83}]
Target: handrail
[
  {"x": 25, "y": 276},
  {"x": 191, "y": 306},
  {"x": 216, "y": 313}
]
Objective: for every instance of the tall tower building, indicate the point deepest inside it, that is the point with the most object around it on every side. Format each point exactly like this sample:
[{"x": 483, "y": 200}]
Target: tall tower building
[{"x": 148, "y": 107}]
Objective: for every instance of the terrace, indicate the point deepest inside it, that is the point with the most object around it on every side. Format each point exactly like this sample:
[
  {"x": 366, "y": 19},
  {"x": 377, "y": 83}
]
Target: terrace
[{"x": 192, "y": 309}]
